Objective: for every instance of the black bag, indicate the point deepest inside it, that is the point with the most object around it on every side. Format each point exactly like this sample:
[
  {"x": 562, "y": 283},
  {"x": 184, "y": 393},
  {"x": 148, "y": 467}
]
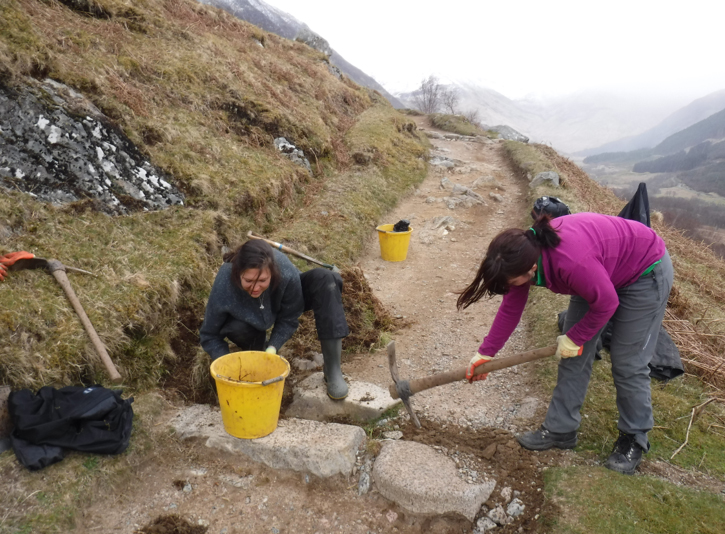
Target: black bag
[
  {"x": 637, "y": 209},
  {"x": 87, "y": 419}
]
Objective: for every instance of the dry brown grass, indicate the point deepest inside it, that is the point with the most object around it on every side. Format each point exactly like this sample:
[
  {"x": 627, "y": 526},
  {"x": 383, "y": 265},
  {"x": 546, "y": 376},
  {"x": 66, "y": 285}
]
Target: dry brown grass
[
  {"x": 194, "y": 89},
  {"x": 695, "y": 317},
  {"x": 366, "y": 317}
]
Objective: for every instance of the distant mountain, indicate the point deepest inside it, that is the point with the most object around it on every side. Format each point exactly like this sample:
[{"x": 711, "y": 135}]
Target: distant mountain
[
  {"x": 276, "y": 21},
  {"x": 679, "y": 120},
  {"x": 683, "y": 150},
  {"x": 591, "y": 117},
  {"x": 570, "y": 123},
  {"x": 700, "y": 147},
  {"x": 711, "y": 128}
]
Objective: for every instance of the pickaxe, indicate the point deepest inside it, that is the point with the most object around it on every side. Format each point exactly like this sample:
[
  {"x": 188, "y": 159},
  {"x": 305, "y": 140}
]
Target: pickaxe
[
  {"x": 404, "y": 389},
  {"x": 57, "y": 269},
  {"x": 286, "y": 249}
]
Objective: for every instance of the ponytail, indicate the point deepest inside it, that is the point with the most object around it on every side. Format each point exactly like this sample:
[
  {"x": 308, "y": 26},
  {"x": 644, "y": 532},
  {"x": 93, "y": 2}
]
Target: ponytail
[{"x": 543, "y": 233}]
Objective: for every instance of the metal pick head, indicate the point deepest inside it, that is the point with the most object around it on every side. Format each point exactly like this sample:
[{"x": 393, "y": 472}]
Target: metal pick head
[{"x": 401, "y": 387}]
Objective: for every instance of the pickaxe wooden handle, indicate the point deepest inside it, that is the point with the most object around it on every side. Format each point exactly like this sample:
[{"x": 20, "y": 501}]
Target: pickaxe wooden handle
[
  {"x": 431, "y": 381},
  {"x": 287, "y": 250},
  {"x": 57, "y": 269}
]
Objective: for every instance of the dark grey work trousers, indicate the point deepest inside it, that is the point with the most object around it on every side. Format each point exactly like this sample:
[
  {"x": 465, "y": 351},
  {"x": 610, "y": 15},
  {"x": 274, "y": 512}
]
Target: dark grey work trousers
[
  {"x": 634, "y": 337},
  {"x": 322, "y": 293}
]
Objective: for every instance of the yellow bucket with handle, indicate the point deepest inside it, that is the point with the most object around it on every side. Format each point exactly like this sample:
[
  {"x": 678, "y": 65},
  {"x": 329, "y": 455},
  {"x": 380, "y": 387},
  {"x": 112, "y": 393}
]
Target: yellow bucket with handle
[
  {"x": 393, "y": 245},
  {"x": 250, "y": 385}
]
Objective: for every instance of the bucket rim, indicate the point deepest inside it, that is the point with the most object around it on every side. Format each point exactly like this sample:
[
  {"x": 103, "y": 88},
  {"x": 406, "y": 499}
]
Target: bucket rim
[
  {"x": 378, "y": 228},
  {"x": 227, "y": 380}
]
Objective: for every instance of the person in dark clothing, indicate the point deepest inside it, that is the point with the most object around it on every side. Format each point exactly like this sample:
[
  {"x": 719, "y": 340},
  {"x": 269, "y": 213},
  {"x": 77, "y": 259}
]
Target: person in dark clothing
[{"x": 258, "y": 288}]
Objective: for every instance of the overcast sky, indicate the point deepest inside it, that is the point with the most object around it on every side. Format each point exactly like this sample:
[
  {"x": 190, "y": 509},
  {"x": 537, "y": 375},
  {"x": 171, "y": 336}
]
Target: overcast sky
[{"x": 521, "y": 47}]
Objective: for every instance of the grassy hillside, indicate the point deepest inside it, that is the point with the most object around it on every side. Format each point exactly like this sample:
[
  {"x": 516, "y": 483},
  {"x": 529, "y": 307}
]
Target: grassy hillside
[
  {"x": 203, "y": 95},
  {"x": 588, "y": 497},
  {"x": 698, "y": 290}
]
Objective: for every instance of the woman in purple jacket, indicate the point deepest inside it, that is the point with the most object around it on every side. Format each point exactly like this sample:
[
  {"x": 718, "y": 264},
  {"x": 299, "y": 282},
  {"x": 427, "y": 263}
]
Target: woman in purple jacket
[{"x": 614, "y": 269}]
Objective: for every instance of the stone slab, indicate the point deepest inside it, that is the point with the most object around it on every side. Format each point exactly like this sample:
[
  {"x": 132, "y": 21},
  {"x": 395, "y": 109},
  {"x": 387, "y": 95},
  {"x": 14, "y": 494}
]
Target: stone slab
[
  {"x": 6, "y": 425},
  {"x": 364, "y": 401},
  {"x": 321, "y": 449},
  {"x": 424, "y": 481}
]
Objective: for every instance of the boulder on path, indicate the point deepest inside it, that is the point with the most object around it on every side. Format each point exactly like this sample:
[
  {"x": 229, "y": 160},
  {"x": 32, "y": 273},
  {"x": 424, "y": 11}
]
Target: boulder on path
[
  {"x": 509, "y": 134},
  {"x": 487, "y": 181},
  {"x": 442, "y": 161},
  {"x": 321, "y": 449},
  {"x": 364, "y": 401},
  {"x": 548, "y": 176},
  {"x": 465, "y": 196},
  {"x": 424, "y": 481},
  {"x": 433, "y": 135}
]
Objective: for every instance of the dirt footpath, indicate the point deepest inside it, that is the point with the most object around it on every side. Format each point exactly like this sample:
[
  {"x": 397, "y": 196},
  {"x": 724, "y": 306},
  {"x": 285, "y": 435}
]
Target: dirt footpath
[
  {"x": 423, "y": 289},
  {"x": 187, "y": 488}
]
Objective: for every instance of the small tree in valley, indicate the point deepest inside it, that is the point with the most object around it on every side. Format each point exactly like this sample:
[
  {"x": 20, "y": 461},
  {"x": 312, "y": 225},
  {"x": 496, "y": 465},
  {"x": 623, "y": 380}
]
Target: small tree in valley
[
  {"x": 449, "y": 99},
  {"x": 428, "y": 96}
]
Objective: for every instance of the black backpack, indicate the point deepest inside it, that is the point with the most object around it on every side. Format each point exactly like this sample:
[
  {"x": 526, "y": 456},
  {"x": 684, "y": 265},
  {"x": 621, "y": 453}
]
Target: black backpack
[
  {"x": 88, "y": 419},
  {"x": 551, "y": 206}
]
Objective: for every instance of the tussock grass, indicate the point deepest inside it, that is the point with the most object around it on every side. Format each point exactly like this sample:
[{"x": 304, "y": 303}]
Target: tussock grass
[
  {"x": 145, "y": 265},
  {"x": 203, "y": 95},
  {"x": 456, "y": 124},
  {"x": 527, "y": 159}
]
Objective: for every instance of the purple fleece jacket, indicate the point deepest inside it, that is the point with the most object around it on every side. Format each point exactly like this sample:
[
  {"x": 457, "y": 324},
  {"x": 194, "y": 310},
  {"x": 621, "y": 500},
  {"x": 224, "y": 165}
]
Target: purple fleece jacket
[{"x": 598, "y": 254}]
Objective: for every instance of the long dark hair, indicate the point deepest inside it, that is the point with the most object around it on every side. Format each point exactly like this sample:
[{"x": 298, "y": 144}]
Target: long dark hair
[
  {"x": 510, "y": 255},
  {"x": 254, "y": 254}
]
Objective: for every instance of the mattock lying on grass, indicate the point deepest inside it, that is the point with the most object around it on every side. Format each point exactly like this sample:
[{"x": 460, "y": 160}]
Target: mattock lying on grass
[
  {"x": 404, "y": 389},
  {"x": 57, "y": 269}
]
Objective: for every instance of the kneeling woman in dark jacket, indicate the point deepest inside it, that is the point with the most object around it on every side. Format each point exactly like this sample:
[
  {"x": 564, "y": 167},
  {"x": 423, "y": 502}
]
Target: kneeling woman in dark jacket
[{"x": 258, "y": 287}]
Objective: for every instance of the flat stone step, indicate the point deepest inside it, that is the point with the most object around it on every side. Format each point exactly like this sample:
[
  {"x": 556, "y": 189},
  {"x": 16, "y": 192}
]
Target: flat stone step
[
  {"x": 364, "y": 401},
  {"x": 321, "y": 449},
  {"x": 424, "y": 481}
]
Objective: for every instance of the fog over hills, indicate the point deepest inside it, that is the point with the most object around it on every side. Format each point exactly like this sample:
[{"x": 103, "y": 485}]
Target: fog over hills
[
  {"x": 569, "y": 123},
  {"x": 581, "y": 123},
  {"x": 276, "y": 21},
  {"x": 685, "y": 117}
]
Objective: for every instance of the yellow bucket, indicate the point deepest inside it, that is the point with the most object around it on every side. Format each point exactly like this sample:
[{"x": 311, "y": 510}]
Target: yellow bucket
[
  {"x": 249, "y": 385},
  {"x": 393, "y": 245}
]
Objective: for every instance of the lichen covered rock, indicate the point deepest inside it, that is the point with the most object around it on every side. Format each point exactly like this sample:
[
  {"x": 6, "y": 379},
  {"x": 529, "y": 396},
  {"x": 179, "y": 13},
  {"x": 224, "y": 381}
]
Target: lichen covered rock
[{"x": 58, "y": 147}]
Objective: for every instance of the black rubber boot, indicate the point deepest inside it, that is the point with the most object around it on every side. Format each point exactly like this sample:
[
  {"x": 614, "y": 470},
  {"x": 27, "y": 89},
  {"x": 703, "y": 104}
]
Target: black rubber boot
[
  {"x": 542, "y": 439},
  {"x": 626, "y": 456},
  {"x": 332, "y": 354}
]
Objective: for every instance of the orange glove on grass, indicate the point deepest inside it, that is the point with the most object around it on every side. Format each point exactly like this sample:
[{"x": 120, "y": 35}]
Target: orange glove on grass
[{"x": 9, "y": 259}]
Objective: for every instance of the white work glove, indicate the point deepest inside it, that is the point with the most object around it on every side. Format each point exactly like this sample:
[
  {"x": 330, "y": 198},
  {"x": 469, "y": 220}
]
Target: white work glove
[
  {"x": 567, "y": 348},
  {"x": 271, "y": 350},
  {"x": 478, "y": 359}
]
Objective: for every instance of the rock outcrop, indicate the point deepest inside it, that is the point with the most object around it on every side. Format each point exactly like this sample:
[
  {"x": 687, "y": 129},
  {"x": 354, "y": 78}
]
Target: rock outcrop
[{"x": 58, "y": 147}]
